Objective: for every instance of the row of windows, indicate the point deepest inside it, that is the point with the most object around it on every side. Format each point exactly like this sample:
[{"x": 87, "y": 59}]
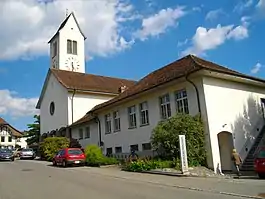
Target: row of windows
[
  {"x": 3, "y": 138},
  {"x": 71, "y": 47},
  {"x": 87, "y": 133},
  {"x": 135, "y": 147},
  {"x": 181, "y": 101}
]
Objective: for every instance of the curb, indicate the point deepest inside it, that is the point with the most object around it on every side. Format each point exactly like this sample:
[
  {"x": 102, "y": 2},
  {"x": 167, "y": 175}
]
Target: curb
[
  {"x": 186, "y": 187},
  {"x": 167, "y": 173}
]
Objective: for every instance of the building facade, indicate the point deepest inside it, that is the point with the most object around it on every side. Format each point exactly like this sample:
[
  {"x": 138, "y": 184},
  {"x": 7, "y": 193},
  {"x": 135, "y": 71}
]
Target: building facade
[
  {"x": 127, "y": 121},
  {"x": 10, "y": 137}
]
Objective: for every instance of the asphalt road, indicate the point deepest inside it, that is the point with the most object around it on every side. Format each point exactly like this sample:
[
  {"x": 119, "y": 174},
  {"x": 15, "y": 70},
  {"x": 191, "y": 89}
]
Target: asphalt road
[{"x": 34, "y": 179}]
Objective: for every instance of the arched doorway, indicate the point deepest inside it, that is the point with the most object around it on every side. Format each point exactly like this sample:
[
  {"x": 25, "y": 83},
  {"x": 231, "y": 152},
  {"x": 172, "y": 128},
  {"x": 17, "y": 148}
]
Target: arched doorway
[{"x": 226, "y": 145}]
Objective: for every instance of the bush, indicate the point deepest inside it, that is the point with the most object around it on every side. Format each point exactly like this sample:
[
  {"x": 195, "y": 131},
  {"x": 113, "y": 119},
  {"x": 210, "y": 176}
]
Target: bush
[
  {"x": 51, "y": 145},
  {"x": 94, "y": 156},
  {"x": 165, "y": 137},
  {"x": 147, "y": 165},
  {"x": 109, "y": 161}
]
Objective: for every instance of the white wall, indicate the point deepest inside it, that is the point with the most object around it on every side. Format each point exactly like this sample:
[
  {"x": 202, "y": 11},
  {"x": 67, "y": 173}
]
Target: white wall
[
  {"x": 225, "y": 102},
  {"x": 140, "y": 135},
  {"x": 71, "y": 31},
  {"x": 6, "y": 133},
  {"x": 94, "y": 136},
  {"x": 58, "y": 94},
  {"x": 82, "y": 103}
]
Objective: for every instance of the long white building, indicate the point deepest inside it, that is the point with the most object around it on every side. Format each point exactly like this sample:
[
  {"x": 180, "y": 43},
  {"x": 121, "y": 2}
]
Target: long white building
[{"x": 119, "y": 115}]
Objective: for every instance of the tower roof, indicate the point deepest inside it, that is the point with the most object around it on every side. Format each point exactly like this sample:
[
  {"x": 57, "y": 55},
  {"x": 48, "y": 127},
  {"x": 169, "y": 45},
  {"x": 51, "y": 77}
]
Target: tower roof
[{"x": 63, "y": 24}]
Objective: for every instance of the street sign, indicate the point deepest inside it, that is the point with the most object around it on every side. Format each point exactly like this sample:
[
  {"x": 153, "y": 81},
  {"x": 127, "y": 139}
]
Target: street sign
[{"x": 183, "y": 154}]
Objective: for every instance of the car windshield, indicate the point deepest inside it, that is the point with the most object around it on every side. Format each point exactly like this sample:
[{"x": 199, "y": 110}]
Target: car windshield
[
  {"x": 74, "y": 152},
  {"x": 27, "y": 150},
  {"x": 261, "y": 154},
  {"x": 5, "y": 151}
]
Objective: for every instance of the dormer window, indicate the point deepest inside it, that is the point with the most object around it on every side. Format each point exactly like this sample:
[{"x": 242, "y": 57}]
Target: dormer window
[
  {"x": 71, "y": 47},
  {"x": 54, "y": 49}
]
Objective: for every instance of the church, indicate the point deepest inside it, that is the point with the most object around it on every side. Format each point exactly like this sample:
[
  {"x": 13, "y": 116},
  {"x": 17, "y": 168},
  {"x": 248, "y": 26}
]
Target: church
[
  {"x": 119, "y": 114},
  {"x": 68, "y": 92}
]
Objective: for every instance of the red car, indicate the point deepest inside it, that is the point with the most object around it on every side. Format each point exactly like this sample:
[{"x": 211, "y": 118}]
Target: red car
[
  {"x": 69, "y": 156},
  {"x": 260, "y": 163}
]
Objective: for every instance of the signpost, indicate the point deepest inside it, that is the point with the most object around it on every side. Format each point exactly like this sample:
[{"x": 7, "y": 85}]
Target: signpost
[{"x": 183, "y": 154}]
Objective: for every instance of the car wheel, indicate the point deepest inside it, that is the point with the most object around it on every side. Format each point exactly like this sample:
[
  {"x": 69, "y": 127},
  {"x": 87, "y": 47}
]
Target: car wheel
[
  {"x": 261, "y": 175},
  {"x": 54, "y": 163},
  {"x": 64, "y": 164}
]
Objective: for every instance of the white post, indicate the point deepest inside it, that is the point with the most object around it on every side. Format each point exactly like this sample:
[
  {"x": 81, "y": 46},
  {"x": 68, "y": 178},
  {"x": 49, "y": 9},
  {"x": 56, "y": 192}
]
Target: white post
[{"x": 183, "y": 154}]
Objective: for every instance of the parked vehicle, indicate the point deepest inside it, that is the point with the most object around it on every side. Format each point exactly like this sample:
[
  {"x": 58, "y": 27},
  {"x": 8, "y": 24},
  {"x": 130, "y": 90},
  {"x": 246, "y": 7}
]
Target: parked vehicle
[
  {"x": 6, "y": 155},
  {"x": 27, "y": 154},
  {"x": 17, "y": 151},
  {"x": 69, "y": 156},
  {"x": 260, "y": 163}
]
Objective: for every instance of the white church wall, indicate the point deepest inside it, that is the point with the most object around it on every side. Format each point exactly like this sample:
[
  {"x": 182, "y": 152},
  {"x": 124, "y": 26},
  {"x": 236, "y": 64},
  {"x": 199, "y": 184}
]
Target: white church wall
[
  {"x": 56, "y": 93},
  {"x": 82, "y": 103}
]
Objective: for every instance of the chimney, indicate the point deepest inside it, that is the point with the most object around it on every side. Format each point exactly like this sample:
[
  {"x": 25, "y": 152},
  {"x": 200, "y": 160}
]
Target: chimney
[{"x": 122, "y": 89}]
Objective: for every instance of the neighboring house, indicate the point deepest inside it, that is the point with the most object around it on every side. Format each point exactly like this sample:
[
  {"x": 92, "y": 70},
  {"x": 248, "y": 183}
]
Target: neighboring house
[
  {"x": 230, "y": 103},
  {"x": 68, "y": 92},
  {"x": 10, "y": 137}
]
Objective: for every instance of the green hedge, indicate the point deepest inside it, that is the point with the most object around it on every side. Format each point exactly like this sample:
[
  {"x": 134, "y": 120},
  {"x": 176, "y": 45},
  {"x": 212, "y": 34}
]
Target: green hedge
[
  {"x": 95, "y": 157},
  {"x": 147, "y": 165},
  {"x": 51, "y": 145}
]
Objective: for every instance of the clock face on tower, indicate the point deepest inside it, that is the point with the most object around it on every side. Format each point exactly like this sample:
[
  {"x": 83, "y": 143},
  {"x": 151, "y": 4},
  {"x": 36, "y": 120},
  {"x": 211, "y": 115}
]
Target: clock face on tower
[{"x": 72, "y": 64}]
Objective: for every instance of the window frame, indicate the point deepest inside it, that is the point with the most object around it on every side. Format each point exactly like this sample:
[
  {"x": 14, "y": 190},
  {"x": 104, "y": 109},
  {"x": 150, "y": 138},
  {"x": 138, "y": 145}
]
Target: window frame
[
  {"x": 116, "y": 121},
  {"x": 87, "y": 132},
  {"x": 108, "y": 123},
  {"x": 81, "y": 133},
  {"x": 164, "y": 103},
  {"x": 132, "y": 117},
  {"x": 181, "y": 101},
  {"x": 144, "y": 114}
]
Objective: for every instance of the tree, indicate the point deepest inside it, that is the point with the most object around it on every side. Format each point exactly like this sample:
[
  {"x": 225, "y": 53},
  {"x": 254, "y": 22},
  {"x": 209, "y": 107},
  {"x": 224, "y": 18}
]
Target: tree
[
  {"x": 33, "y": 133},
  {"x": 165, "y": 137}
]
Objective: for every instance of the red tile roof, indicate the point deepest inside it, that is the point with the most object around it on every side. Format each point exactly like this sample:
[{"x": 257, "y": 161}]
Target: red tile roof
[
  {"x": 89, "y": 82},
  {"x": 177, "y": 69}
]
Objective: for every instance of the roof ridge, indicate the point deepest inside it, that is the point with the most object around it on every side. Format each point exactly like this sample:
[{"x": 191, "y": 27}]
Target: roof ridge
[{"x": 95, "y": 75}]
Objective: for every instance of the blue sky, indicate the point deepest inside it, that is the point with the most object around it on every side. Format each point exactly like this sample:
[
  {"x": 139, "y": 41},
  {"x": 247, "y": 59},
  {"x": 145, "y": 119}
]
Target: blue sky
[{"x": 125, "y": 38}]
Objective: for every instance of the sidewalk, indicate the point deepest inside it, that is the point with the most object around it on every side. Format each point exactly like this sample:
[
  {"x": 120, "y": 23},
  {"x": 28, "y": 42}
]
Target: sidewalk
[{"x": 249, "y": 188}]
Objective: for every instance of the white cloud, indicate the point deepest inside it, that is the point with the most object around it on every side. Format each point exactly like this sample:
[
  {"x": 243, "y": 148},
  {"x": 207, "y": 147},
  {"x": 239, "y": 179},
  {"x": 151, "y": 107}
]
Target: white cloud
[
  {"x": 261, "y": 4},
  {"x": 157, "y": 24},
  {"x": 214, "y": 14},
  {"x": 29, "y": 24},
  {"x": 238, "y": 33},
  {"x": 243, "y": 5},
  {"x": 208, "y": 39},
  {"x": 256, "y": 68},
  {"x": 15, "y": 106}
]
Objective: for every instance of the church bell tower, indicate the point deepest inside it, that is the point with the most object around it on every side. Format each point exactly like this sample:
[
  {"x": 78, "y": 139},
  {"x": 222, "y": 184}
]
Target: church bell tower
[{"x": 67, "y": 46}]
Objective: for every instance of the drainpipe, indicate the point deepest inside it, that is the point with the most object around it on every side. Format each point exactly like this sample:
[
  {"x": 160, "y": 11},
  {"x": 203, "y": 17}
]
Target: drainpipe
[
  {"x": 72, "y": 106},
  {"x": 99, "y": 131},
  {"x": 196, "y": 89}
]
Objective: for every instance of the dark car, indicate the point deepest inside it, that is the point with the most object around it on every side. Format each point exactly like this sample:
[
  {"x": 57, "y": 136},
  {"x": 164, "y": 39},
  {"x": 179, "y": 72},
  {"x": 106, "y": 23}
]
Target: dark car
[{"x": 6, "y": 155}]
